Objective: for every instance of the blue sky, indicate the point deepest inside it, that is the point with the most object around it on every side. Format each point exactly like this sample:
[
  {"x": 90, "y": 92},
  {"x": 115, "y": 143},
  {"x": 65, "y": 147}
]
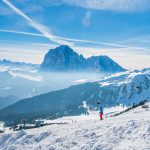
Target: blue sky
[{"x": 119, "y": 29}]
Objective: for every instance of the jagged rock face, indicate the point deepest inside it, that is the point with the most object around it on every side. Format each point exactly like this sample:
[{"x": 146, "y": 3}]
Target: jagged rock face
[
  {"x": 63, "y": 58},
  {"x": 103, "y": 64}
]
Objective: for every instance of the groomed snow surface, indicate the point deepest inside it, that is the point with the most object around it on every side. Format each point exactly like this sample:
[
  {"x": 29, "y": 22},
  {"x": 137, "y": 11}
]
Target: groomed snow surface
[{"x": 129, "y": 131}]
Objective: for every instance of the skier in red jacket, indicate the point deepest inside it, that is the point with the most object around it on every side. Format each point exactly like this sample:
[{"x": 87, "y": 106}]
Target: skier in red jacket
[{"x": 101, "y": 113}]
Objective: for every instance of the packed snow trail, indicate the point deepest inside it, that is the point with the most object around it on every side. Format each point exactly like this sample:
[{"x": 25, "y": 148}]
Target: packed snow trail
[{"x": 129, "y": 131}]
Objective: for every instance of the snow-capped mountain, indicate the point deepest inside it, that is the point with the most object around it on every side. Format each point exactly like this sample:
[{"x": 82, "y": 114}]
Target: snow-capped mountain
[
  {"x": 124, "y": 88},
  {"x": 63, "y": 58}
]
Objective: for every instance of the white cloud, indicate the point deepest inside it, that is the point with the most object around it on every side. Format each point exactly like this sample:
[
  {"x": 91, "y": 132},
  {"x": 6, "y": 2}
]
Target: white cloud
[
  {"x": 117, "y": 5},
  {"x": 105, "y": 43},
  {"x": 22, "y": 32},
  {"x": 78, "y": 40},
  {"x": 39, "y": 27}
]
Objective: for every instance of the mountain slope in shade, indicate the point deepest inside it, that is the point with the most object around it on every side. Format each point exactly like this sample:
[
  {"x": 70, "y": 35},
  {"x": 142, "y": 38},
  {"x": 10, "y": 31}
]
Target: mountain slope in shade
[
  {"x": 63, "y": 58},
  {"x": 124, "y": 88},
  {"x": 50, "y": 103}
]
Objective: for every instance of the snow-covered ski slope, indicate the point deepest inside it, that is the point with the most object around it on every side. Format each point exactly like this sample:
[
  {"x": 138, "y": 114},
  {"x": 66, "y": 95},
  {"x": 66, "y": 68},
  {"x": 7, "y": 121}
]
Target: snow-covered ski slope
[{"x": 129, "y": 131}]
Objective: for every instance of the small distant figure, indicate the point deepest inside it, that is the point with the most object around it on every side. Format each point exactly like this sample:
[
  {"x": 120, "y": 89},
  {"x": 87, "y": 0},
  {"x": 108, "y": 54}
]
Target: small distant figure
[
  {"x": 101, "y": 113},
  {"x": 86, "y": 108}
]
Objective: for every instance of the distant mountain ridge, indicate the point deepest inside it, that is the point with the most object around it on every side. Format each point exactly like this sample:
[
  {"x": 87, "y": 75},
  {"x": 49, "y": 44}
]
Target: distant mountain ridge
[
  {"x": 6, "y": 62},
  {"x": 63, "y": 58}
]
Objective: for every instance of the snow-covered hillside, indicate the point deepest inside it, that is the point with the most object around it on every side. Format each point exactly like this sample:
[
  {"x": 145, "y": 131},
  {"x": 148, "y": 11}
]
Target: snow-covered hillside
[
  {"x": 124, "y": 88},
  {"x": 127, "y": 87},
  {"x": 129, "y": 131}
]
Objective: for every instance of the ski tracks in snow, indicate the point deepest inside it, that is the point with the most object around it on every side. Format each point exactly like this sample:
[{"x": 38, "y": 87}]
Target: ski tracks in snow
[{"x": 128, "y": 131}]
